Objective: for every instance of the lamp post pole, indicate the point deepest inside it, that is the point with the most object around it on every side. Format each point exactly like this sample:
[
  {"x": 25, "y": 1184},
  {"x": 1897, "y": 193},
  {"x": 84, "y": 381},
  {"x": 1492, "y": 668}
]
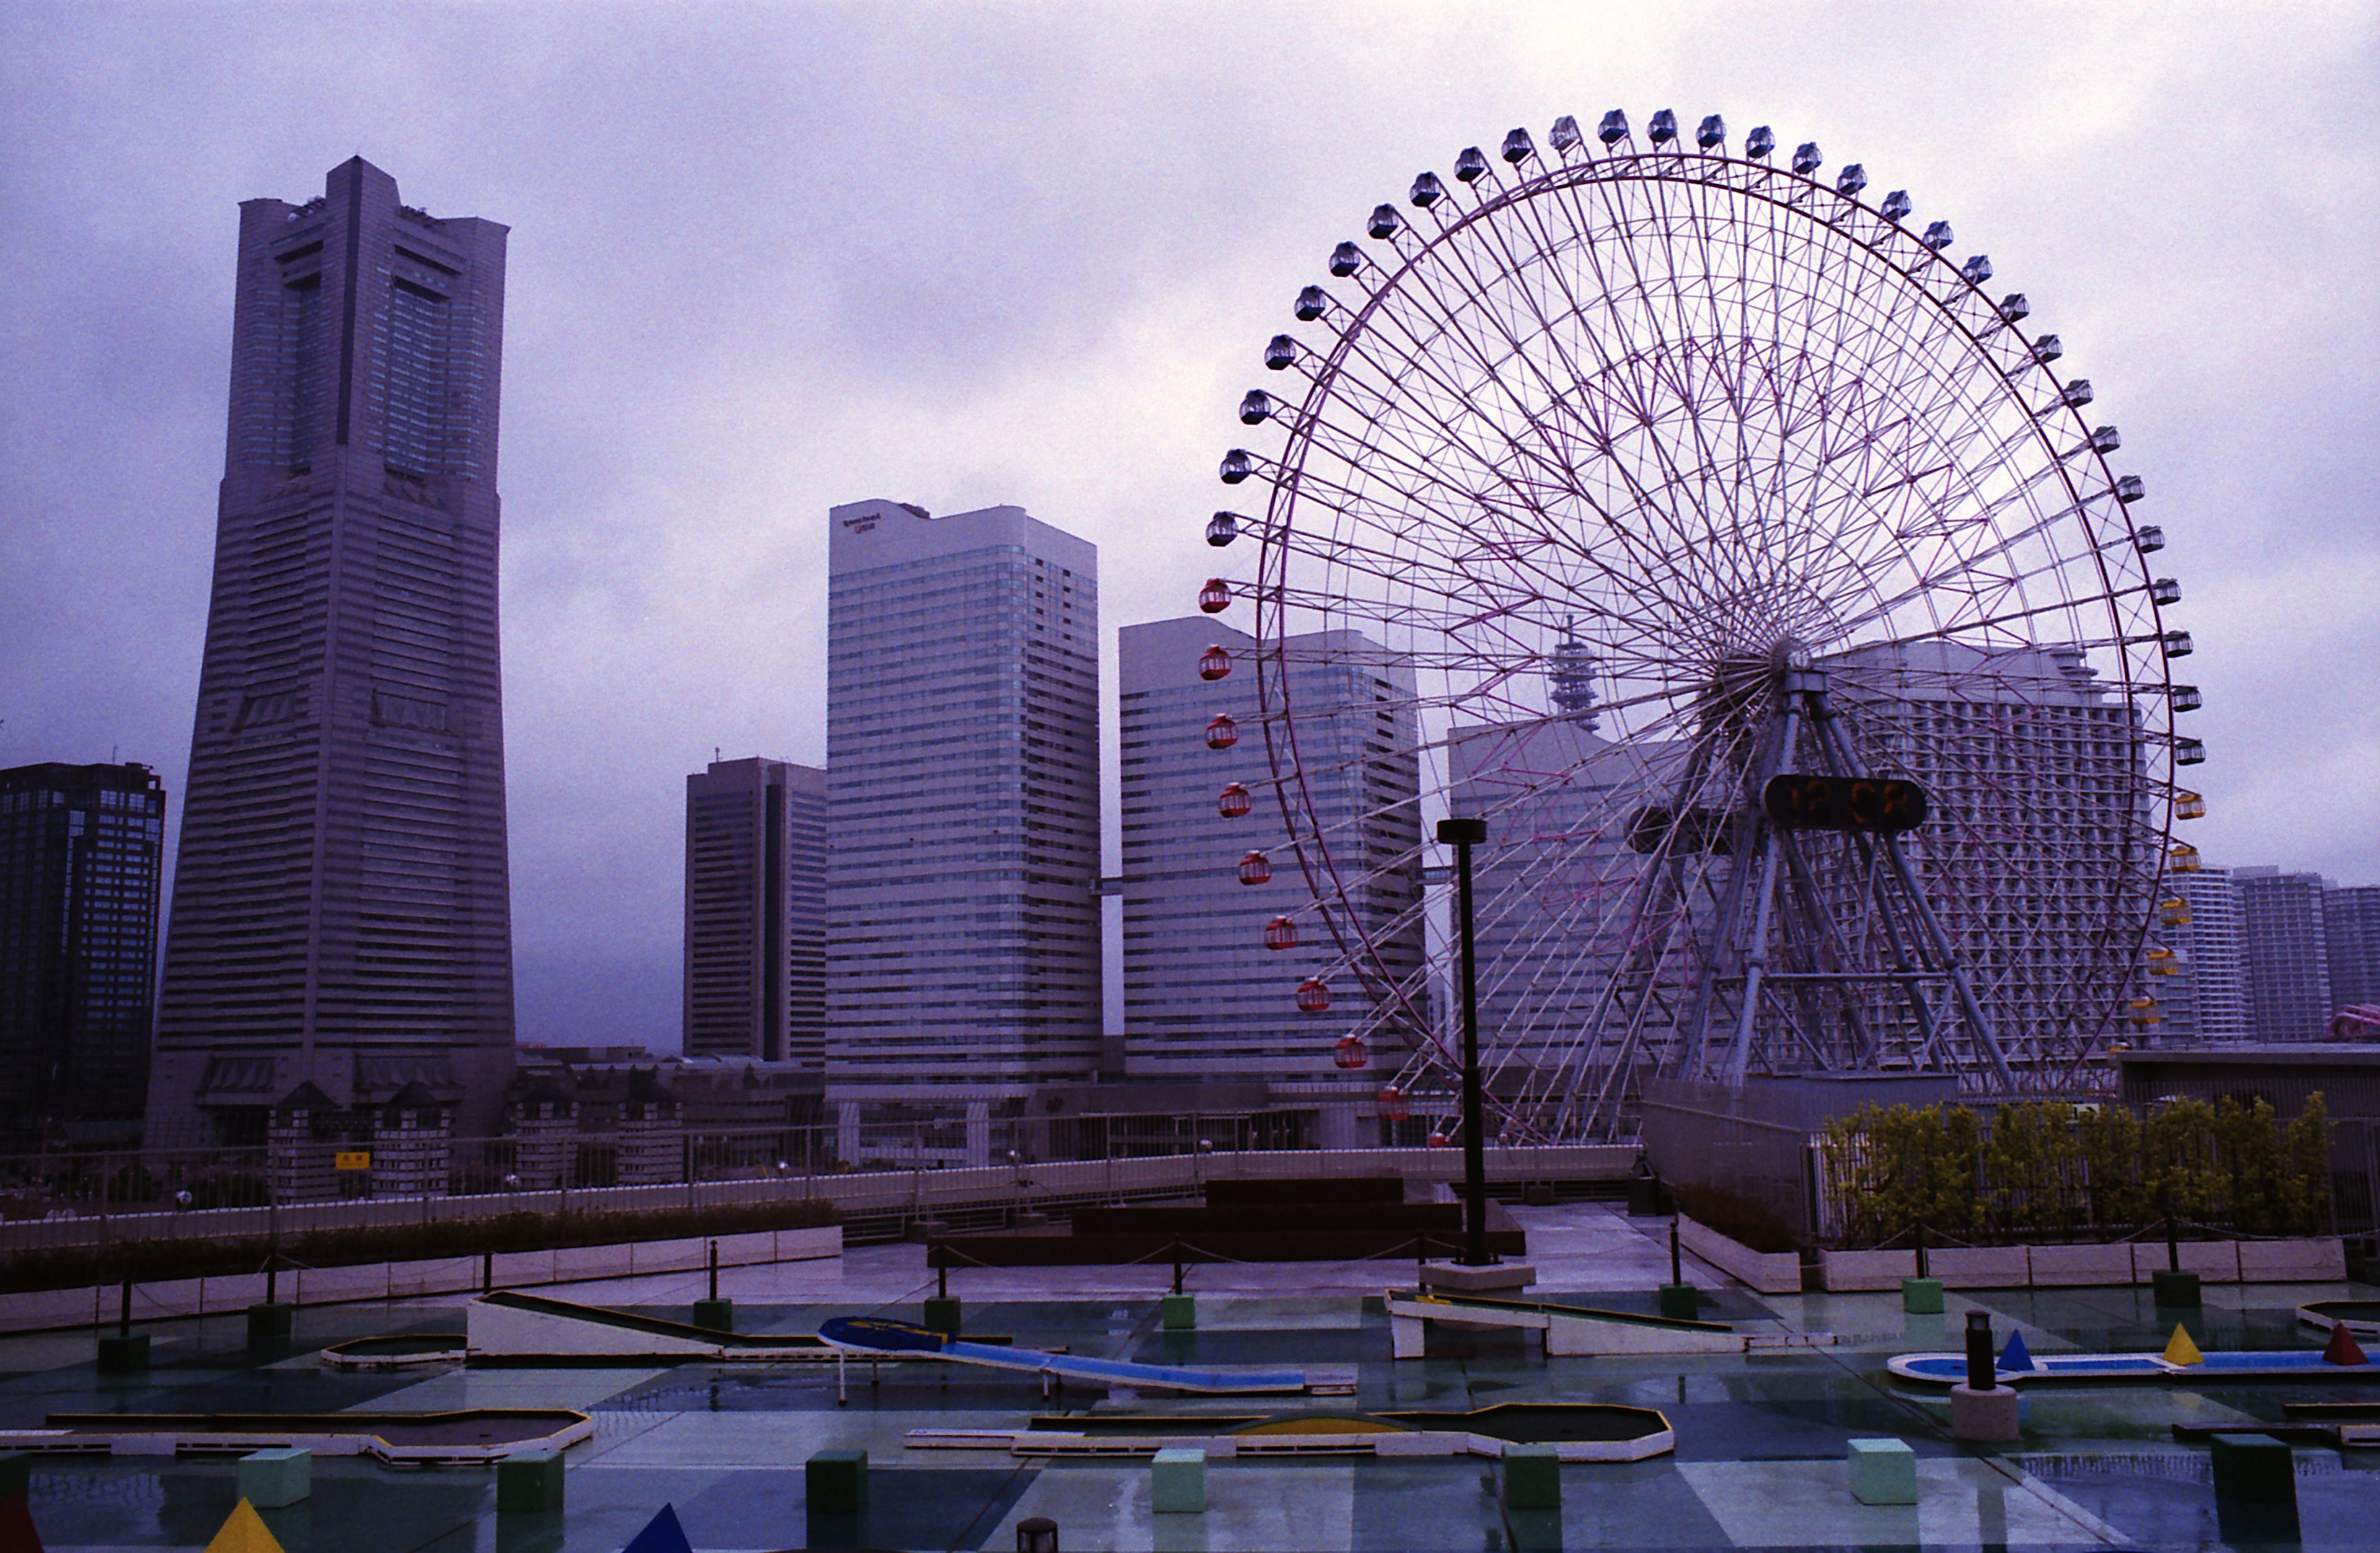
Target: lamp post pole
[{"x": 1462, "y": 835}]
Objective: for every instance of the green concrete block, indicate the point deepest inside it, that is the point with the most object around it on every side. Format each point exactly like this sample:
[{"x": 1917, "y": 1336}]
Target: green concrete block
[
  {"x": 1921, "y": 1296},
  {"x": 270, "y": 1479},
  {"x": 2255, "y": 1469},
  {"x": 715, "y": 1316},
  {"x": 2174, "y": 1290},
  {"x": 835, "y": 1482},
  {"x": 1681, "y": 1302},
  {"x": 942, "y": 1313},
  {"x": 16, "y": 1472},
  {"x": 1883, "y": 1472},
  {"x": 1181, "y": 1312},
  {"x": 272, "y": 1326},
  {"x": 1177, "y": 1481},
  {"x": 529, "y": 1481},
  {"x": 124, "y": 1355},
  {"x": 1531, "y": 1477}
]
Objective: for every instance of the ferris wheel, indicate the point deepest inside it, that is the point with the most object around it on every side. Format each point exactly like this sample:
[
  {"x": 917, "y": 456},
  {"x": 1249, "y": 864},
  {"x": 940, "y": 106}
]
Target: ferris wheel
[{"x": 1707, "y": 530}]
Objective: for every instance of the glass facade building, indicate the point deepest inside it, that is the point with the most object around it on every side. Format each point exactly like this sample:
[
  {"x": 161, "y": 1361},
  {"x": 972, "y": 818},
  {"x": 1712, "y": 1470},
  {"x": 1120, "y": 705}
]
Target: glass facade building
[
  {"x": 1205, "y": 996},
  {"x": 81, "y": 853},
  {"x": 2205, "y": 998},
  {"x": 2350, "y": 921},
  {"x": 756, "y": 911},
  {"x": 342, "y": 910},
  {"x": 2289, "y": 953},
  {"x": 963, "y": 820}
]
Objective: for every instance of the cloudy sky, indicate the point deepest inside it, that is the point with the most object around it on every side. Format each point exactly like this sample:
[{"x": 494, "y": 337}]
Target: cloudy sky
[{"x": 765, "y": 259}]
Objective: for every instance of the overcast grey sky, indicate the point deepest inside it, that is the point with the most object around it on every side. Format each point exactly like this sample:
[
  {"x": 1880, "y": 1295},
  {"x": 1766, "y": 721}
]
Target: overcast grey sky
[{"x": 766, "y": 258}]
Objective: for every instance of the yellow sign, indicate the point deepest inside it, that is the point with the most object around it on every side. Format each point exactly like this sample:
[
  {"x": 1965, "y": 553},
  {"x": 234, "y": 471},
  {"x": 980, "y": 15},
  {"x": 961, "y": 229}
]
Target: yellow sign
[{"x": 352, "y": 1159}]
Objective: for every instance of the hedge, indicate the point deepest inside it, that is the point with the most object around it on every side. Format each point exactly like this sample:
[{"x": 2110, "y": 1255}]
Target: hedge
[{"x": 2047, "y": 1170}]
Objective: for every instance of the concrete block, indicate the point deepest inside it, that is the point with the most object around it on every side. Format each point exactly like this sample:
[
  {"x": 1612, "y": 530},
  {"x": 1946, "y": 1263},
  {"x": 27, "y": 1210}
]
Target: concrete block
[
  {"x": 1980, "y": 1266},
  {"x": 2174, "y": 1290},
  {"x": 2293, "y": 1261},
  {"x": 1531, "y": 1477},
  {"x": 1495, "y": 1279},
  {"x": 124, "y": 1355},
  {"x": 1177, "y": 1482},
  {"x": 752, "y": 1250},
  {"x": 1883, "y": 1472},
  {"x": 810, "y": 1246},
  {"x": 522, "y": 1270},
  {"x": 2215, "y": 1261},
  {"x": 715, "y": 1316},
  {"x": 271, "y": 1325},
  {"x": 1681, "y": 1302},
  {"x": 270, "y": 1479},
  {"x": 1770, "y": 1272},
  {"x": 1180, "y": 1312},
  {"x": 835, "y": 1482},
  {"x": 2255, "y": 1468},
  {"x": 1921, "y": 1296},
  {"x": 16, "y": 1472},
  {"x": 529, "y": 1481},
  {"x": 942, "y": 1313},
  {"x": 1984, "y": 1415},
  {"x": 2080, "y": 1266},
  {"x": 1853, "y": 1271}
]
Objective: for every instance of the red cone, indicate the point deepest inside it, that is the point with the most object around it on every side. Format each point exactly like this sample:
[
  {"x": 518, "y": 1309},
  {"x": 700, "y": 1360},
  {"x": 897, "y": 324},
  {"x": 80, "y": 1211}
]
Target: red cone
[{"x": 2343, "y": 1348}]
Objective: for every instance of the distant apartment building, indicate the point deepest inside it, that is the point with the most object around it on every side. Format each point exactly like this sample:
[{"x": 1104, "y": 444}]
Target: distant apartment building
[
  {"x": 2201, "y": 983},
  {"x": 962, "y": 790},
  {"x": 2289, "y": 953},
  {"x": 81, "y": 851},
  {"x": 2350, "y": 922},
  {"x": 756, "y": 911},
  {"x": 1207, "y": 996},
  {"x": 342, "y": 911}
]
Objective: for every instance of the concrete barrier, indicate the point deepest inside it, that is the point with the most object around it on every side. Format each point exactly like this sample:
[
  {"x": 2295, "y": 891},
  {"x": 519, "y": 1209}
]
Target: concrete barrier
[
  {"x": 172, "y": 1298},
  {"x": 1770, "y": 1272},
  {"x": 1850, "y": 1272},
  {"x": 1980, "y": 1266},
  {"x": 2293, "y": 1261},
  {"x": 2215, "y": 1261},
  {"x": 2081, "y": 1266}
]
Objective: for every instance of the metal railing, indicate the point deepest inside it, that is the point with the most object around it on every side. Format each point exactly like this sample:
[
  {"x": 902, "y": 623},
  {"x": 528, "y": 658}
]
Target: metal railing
[{"x": 55, "y": 1203}]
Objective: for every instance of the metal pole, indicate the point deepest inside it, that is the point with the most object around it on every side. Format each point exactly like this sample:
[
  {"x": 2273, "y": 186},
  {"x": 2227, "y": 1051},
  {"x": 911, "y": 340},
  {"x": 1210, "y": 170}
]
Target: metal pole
[{"x": 1461, "y": 834}]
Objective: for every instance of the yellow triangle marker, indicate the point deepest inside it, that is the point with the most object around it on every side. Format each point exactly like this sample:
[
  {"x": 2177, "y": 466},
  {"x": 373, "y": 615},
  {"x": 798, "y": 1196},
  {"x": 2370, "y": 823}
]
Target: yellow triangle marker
[
  {"x": 244, "y": 1532},
  {"x": 2180, "y": 1350}
]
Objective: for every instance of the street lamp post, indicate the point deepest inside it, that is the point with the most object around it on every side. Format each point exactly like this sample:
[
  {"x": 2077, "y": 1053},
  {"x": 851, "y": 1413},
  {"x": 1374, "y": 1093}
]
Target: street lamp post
[{"x": 1462, "y": 835}]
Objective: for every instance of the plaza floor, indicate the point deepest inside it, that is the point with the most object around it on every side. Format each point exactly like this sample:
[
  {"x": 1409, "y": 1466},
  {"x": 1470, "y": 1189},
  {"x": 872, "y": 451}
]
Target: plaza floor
[{"x": 1760, "y": 1438}]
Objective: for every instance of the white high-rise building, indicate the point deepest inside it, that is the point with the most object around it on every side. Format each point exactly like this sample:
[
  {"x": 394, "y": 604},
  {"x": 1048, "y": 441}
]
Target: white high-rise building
[
  {"x": 963, "y": 823},
  {"x": 1203, "y": 996},
  {"x": 2205, "y": 998}
]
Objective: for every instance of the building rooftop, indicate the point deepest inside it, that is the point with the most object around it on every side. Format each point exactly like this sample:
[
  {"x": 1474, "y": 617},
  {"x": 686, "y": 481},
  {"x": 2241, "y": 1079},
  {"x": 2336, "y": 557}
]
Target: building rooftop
[{"x": 1759, "y": 1461}]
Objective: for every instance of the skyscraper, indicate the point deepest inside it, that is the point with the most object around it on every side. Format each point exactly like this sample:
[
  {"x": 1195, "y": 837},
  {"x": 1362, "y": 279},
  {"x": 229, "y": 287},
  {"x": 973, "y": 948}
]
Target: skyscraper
[
  {"x": 2350, "y": 921},
  {"x": 341, "y": 909},
  {"x": 2205, "y": 997},
  {"x": 2289, "y": 953},
  {"x": 1205, "y": 996},
  {"x": 756, "y": 911},
  {"x": 962, "y": 819},
  {"x": 81, "y": 851}
]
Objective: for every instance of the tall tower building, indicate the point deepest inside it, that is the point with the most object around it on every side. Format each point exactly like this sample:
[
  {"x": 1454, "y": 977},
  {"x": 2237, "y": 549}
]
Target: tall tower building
[
  {"x": 81, "y": 851},
  {"x": 756, "y": 911},
  {"x": 2350, "y": 921},
  {"x": 341, "y": 909},
  {"x": 2205, "y": 998},
  {"x": 1204, "y": 996},
  {"x": 963, "y": 820},
  {"x": 2289, "y": 953}
]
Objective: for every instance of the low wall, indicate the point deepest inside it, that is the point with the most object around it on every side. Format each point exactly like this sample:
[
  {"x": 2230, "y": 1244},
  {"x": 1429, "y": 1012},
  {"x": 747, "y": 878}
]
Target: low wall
[
  {"x": 2068, "y": 1267},
  {"x": 398, "y": 1280},
  {"x": 1770, "y": 1272},
  {"x": 915, "y": 1194}
]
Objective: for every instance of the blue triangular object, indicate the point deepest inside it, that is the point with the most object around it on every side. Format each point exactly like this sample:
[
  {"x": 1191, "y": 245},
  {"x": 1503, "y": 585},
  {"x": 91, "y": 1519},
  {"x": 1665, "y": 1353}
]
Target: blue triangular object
[
  {"x": 661, "y": 1534},
  {"x": 2013, "y": 1358}
]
